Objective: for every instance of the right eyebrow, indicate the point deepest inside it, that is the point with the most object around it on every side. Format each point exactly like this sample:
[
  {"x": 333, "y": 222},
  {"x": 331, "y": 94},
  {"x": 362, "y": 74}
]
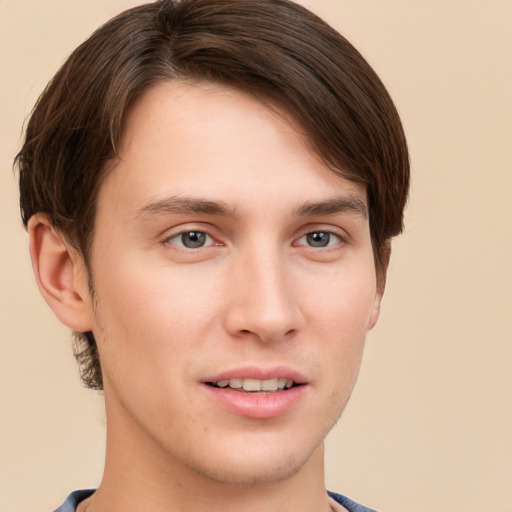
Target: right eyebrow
[{"x": 185, "y": 205}]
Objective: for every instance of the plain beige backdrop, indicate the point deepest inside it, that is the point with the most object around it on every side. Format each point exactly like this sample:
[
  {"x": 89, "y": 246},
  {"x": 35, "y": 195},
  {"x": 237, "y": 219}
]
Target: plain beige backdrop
[{"x": 429, "y": 427}]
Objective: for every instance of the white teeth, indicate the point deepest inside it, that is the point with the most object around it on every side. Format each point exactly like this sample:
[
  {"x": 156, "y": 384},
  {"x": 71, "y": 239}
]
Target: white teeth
[
  {"x": 236, "y": 383},
  {"x": 252, "y": 385},
  {"x": 256, "y": 384},
  {"x": 269, "y": 385}
]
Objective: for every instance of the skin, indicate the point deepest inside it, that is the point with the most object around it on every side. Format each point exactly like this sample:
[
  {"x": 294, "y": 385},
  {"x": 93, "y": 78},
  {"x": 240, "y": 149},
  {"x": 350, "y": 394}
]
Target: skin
[{"x": 258, "y": 293}]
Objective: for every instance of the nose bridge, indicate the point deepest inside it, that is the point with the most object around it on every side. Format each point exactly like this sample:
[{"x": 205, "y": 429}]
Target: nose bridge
[{"x": 262, "y": 301}]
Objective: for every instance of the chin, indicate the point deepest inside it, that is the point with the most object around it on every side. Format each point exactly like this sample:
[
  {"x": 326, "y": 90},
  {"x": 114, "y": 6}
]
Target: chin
[
  {"x": 259, "y": 466},
  {"x": 250, "y": 474}
]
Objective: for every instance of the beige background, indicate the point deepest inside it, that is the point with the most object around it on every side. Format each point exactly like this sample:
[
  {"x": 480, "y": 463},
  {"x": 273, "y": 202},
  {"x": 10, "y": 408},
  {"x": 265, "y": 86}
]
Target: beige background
[{"x": 430, "y": 424}]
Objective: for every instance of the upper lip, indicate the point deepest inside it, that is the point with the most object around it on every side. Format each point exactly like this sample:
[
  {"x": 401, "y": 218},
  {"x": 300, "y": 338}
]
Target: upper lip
[{"x": 258, "y": 373}]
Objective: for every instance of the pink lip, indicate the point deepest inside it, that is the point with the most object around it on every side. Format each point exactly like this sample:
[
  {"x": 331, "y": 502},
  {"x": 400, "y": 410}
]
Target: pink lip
[
  {"x": 257, "y": 405},
  {"x": 254, "y": 372}
]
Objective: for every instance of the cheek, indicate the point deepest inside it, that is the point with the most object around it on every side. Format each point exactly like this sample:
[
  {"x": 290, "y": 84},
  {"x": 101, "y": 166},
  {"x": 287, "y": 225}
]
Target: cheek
[
  {"x": 339, "y": 315},
  {"x": 143, "y": 305},
  {"x": 150, "y": 326},
  {"x": 343, "y": 301}
]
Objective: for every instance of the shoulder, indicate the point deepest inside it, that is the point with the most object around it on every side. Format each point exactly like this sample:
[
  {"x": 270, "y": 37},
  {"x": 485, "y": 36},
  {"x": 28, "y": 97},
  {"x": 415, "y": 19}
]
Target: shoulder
[
  {"x": 350, "y": 505},
  {"x": 73, "y": 500}
]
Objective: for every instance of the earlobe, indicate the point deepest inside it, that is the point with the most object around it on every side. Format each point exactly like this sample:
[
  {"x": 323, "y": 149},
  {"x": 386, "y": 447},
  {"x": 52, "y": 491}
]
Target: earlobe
[
  {"x": 381, "y": 273},
  {"x": 375, "y": 311},
  {"x": 60, "y": 274}
]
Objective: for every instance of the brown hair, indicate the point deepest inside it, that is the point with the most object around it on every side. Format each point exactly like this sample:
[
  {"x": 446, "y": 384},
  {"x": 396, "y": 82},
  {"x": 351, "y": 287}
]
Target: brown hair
[{"x": 271, "y": 48}]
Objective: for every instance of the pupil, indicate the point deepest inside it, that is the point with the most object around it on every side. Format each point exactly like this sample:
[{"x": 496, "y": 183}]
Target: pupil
[
  {"x": 193, "y": 239},
  {"x": 318, "y": 239}
]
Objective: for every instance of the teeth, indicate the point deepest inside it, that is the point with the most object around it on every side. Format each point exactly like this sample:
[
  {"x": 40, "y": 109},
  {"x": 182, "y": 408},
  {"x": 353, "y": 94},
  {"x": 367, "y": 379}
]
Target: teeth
[
  {"x": 256, "y": 384},
  {"x": 269, "y": 385},
  {"x": 252, "y": 385},
  {"x": 236, "y": 383}
]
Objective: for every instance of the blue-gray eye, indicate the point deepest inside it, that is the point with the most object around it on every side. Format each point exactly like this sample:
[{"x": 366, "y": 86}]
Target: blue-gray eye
[
  {"x": 191, "y": 239},
  {"x": 320, "y": 239}
]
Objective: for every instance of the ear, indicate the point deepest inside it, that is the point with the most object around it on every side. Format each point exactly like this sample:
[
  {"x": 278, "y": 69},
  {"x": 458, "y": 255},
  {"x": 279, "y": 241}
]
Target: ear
[
  {"x": 60, "y": 274},
  {"x": 374, "y": 316},
  {"x": 381, "y": 269}
]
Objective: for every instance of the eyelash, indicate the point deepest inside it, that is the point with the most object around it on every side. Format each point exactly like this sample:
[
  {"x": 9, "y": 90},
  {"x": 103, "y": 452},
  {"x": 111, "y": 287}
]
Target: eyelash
[
  {"x": 178, "y": 239},
  {"x": 321, "y": 232},
  {"x": 179, "y": 236}
]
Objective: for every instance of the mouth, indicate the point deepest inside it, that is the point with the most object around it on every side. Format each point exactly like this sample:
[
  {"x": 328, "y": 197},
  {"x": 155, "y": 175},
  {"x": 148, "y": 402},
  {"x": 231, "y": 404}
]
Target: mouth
[
  {"x": 248, "y": 385},
  {"x": 257, "y": 393}
]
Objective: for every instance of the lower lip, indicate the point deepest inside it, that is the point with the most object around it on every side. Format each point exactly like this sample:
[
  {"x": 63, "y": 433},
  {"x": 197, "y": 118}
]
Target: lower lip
[{"x": 257, "y": 405}]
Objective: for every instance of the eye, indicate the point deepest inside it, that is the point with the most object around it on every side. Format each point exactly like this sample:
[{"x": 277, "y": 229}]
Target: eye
[
  {"x": 319, "y": 239},
  {"x": 191, "y": 239}
]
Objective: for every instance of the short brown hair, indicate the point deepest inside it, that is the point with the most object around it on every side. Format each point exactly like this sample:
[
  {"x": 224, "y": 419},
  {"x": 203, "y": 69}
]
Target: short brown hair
[{"x": 271, "y": 48}]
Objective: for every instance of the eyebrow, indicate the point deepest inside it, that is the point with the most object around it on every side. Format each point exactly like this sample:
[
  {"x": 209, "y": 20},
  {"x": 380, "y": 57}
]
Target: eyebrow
[
  {"x": 185, "y": 205},
  {"x": 341, "y": 204}
]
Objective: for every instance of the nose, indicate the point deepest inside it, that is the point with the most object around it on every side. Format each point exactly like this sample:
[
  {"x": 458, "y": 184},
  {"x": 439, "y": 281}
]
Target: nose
[{"x": 262, "y": 303}]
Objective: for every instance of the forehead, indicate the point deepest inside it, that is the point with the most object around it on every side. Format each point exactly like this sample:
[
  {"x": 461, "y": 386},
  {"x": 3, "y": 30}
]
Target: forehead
[
  {"x": 209, "y": 140},
  {"x": 205, "y": 113}
]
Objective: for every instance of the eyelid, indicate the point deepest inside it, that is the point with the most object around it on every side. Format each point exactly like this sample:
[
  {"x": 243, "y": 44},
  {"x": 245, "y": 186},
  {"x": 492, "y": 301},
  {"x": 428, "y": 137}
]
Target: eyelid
[
  {"x": 342, "y": 235},
  {"x": 338, "y": 240},
  {"x": 178, "y": 236},
  {"x": 170, "y": 234}
]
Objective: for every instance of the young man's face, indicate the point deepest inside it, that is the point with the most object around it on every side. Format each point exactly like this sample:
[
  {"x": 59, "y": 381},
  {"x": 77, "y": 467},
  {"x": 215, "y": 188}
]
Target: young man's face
[{"x": 226, "y": 254}]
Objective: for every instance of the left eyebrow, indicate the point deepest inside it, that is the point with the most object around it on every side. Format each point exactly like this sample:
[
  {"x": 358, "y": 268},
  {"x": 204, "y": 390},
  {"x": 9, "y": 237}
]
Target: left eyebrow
[{"x": 348, "y": 204}]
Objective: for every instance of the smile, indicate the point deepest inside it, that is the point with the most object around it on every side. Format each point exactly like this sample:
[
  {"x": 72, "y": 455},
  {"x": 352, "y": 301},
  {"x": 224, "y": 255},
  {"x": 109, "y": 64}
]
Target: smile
[
  {"x": 248, "y": 385},
  {"x": 257, "y": 393}
]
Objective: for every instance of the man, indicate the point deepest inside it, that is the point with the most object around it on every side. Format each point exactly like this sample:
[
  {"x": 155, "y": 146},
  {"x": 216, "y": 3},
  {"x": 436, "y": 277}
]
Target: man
[{"x": 210, "y": 189}]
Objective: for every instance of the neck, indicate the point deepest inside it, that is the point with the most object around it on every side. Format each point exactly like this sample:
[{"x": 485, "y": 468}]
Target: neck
[{"x": 146, "y": 477}]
